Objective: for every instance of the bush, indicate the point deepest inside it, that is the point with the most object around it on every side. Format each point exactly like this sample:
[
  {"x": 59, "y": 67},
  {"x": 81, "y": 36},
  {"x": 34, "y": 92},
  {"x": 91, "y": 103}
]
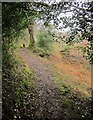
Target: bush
[
  {"x": 44, "y": 43},
  {"x": 66, "y": 51}
]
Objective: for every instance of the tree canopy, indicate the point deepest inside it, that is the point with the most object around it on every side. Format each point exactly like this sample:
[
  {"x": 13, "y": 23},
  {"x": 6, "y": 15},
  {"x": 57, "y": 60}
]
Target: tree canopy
[
  {"x": 81, "y": 14},
  {"x": 17, "y": 17}
]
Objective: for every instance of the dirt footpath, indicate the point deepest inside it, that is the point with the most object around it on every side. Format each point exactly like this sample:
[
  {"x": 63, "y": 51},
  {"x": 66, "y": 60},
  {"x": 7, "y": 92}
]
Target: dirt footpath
[{"x": 47, "y": 97}]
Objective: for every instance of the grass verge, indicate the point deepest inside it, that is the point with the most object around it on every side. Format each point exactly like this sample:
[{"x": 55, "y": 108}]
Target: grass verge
[{"x": 74, "y": 105}]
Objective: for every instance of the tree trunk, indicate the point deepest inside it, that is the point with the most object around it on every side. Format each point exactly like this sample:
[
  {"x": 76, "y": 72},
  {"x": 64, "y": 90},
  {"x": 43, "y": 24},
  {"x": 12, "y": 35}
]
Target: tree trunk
[{"x": 31, "y": 32}]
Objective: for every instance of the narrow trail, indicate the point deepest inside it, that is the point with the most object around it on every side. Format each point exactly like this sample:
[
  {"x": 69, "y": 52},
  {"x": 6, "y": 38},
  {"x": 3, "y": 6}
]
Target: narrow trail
[{"x": 48, "y": 96}]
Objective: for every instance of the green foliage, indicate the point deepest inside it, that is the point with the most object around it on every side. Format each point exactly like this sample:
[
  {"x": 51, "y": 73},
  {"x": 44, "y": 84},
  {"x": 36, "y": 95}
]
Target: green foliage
[
  {"x": 17, "y": 101},
  {"x": 17, "y": 79},
  {"x": 74, "y": 105},
  {"x": 83, "y": 49},
  {"x": 89, "y": 51},
  {"x": 18, "y": 83},
  {"x": 73, "y": 37},
  {"x": 44, "y": 43},
  {"x": 66, "y": 51},
  {"x": 16, "y": 16}
]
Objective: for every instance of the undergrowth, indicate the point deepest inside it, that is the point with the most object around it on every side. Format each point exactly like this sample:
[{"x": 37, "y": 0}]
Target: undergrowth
[
  {"x": 18, "y": 86},
  {"x": 43, "y": 45},
  {"x": 66, "y": 51},
  {"x": 75, "y": 105}
]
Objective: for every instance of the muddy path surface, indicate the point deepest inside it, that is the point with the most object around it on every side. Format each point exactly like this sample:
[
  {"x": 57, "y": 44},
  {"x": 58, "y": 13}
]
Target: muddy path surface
[{"x": 47, "y": 96}]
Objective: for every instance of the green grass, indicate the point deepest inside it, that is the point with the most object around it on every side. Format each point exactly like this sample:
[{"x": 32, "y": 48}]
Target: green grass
[{"x": 74, "y": 104}]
